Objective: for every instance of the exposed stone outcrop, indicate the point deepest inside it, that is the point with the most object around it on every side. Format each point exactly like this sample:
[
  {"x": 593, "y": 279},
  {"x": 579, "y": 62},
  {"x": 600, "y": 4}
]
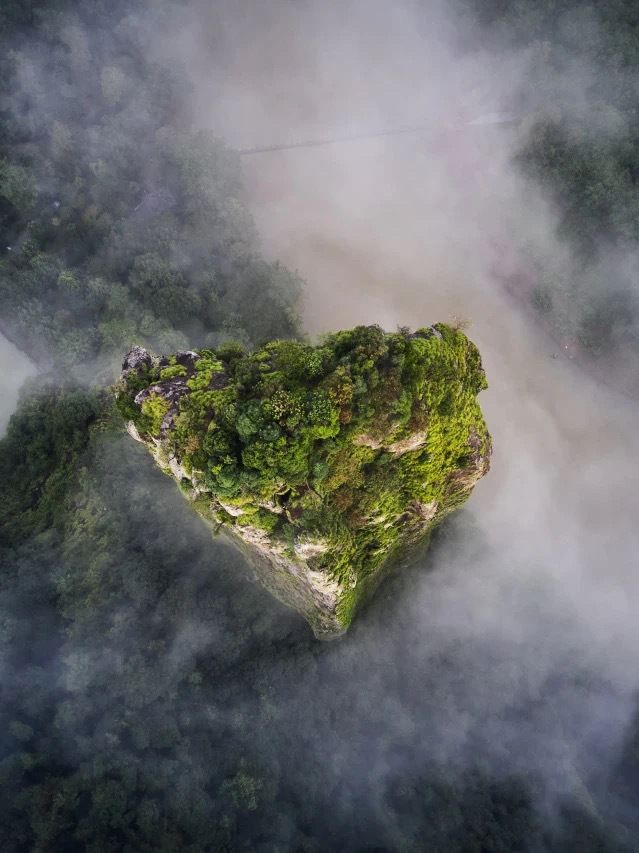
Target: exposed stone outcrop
[
  {"x": 136, "y": 359},
  {"x": 324, "y": 463}
]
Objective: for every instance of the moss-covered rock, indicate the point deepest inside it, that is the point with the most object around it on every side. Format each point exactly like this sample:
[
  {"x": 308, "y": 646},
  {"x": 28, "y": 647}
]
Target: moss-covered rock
[{"x": 326, "y": 462}]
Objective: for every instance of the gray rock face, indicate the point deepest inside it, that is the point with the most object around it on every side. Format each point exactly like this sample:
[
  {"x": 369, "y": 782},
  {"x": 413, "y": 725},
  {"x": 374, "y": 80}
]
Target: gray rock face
[
  {"x": 170, "y": 390},
  {"x": 135, "y": 359},
  {"x": 185, "y": 358}
]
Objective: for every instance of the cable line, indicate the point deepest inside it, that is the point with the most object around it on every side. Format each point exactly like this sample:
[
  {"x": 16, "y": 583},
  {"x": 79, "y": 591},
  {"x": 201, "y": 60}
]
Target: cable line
[{"x": 489, "y": 118}]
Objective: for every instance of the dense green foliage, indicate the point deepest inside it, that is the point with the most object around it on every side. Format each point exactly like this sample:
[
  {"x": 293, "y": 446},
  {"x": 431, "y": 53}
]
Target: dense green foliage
[
  {"x": 40, "y": 450},
  {"x": 356, "y": 445}
]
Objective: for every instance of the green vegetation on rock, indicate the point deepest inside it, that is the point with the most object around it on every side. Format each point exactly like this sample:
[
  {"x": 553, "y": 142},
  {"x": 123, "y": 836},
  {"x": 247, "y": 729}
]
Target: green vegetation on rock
[{"x": 328, "y": 460}]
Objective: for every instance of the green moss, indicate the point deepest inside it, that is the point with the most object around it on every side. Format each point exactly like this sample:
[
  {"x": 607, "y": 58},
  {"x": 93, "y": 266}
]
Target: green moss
[
  {"x": 207, "y": 365},
  {"x": 363, "y": 442},
  {"x": 154, "y": 408},
  {"x": 172, "y": 371}
]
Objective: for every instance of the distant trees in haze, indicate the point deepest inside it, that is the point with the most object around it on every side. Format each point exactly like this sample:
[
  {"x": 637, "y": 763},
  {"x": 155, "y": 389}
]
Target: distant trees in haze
[
  {"x": 582, "y": 94},
  {"x": 119, "y": 222}
]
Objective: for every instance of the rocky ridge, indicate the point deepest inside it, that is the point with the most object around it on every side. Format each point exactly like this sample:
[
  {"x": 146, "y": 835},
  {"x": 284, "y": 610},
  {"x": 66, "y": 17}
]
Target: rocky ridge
[{"x": 325, "y": 463}]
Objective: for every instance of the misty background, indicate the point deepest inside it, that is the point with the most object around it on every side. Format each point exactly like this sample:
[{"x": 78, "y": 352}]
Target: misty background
[
  {"x": 16, "y": 368},
  {"x": 154, "y": 696}
]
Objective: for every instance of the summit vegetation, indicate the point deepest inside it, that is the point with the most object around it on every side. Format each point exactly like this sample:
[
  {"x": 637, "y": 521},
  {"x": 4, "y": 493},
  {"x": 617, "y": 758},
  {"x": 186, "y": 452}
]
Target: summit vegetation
[{"x": 351, "y": 449}]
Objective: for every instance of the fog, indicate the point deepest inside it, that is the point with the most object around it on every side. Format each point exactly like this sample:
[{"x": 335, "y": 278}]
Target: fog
[
  {"x": 422, "y": 227},
  {"x": 15, "y": 368}
]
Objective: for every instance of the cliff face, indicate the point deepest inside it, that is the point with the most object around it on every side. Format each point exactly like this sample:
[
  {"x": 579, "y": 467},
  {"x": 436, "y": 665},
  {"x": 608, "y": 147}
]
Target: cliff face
[{"x": 325, "y": 463}]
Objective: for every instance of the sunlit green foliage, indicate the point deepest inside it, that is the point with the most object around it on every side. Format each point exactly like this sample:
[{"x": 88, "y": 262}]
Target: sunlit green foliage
[
  {"x": 344, "y": 441},
  {"x": 172, "y": 371},
  {"x": 153, "y": 411}
]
